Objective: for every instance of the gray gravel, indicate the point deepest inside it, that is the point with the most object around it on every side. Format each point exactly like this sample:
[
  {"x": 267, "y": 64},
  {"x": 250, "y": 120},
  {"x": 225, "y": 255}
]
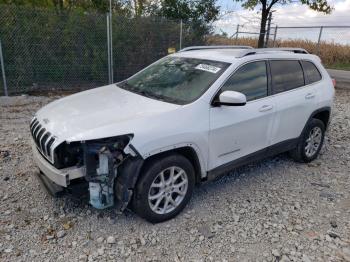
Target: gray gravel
[{"x": 275, "y": 210}]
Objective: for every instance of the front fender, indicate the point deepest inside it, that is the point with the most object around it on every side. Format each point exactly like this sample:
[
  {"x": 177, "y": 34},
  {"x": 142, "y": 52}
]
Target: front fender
[{"x": 199, "y": 152}]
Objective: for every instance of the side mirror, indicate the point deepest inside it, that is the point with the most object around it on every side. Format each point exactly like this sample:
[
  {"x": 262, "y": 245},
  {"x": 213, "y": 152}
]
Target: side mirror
[{"x": 231, "y": 98}]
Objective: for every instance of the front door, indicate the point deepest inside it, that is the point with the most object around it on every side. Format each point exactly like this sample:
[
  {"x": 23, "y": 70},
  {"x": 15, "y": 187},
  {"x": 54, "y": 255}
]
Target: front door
[{"x": 237, "y": 131}]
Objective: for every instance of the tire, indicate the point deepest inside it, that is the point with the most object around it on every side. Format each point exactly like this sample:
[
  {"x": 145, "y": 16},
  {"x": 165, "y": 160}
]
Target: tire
[
  {"x": 151, "y": 185},
  {"x": 306, "y": 155}
]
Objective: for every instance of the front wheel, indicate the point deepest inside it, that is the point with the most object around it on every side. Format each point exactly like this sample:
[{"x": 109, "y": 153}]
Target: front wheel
[
  {"x": 310, "y": 143},
  {"x": 164, "y": 189}
]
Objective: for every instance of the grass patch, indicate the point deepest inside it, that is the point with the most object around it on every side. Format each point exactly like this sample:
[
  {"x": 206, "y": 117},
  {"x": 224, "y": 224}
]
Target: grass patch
[{"x": 339, "y": 66}]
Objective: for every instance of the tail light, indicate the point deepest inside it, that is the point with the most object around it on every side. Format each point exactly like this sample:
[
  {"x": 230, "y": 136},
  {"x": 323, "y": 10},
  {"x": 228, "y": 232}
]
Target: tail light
[{"x": 334, "y": 82}]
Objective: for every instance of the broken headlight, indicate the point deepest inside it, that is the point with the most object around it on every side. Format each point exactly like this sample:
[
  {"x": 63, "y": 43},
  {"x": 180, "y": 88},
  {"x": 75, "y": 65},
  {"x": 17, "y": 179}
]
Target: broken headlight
[
  {"x": 72, "y": 154},
  {"x": 68, "y": 155}
]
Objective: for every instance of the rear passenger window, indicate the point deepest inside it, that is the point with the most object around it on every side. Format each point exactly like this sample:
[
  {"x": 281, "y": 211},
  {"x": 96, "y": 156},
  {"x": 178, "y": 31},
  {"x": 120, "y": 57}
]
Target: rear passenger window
[
  {"x": 250, "y": 79},
  {"x": 311, "y": 72},
  {"x": 286, "y": 75}
]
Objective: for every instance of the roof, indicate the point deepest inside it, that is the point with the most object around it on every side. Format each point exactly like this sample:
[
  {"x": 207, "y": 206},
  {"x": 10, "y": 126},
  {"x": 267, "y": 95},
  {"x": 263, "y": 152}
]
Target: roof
[
  {"x": 215, "y": 47},
  {"x": 223, "y": 55},
  {"x": 232, "y": 54}
]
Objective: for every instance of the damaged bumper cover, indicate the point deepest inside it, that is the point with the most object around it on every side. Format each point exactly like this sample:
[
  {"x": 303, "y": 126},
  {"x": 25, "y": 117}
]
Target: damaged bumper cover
[
  {"x": 112, "y": 179},
  {"x": 61, "y": 177}
]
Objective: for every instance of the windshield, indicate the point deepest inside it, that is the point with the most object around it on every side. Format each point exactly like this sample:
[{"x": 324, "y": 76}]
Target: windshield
[{"x": 175, "y": 79}]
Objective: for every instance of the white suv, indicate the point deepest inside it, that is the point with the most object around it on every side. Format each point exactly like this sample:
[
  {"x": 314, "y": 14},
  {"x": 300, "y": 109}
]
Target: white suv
[{"x": 190, "y": 117}]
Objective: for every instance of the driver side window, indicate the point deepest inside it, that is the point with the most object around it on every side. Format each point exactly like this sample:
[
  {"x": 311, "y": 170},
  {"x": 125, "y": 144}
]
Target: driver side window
[{"x": 250, "y": 79}]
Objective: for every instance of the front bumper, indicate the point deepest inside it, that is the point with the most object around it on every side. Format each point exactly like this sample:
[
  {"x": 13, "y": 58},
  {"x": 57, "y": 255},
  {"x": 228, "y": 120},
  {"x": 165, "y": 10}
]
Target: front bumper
[{"x": 61, "y": 177}]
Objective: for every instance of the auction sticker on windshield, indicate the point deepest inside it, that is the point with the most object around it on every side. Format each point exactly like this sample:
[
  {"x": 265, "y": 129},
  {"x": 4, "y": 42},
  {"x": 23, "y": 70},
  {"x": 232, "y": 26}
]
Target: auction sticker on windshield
[{"x": 208, "y": 68}]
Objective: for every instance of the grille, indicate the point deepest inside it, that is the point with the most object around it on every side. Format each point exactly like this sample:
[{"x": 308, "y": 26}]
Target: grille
[{"x": 42, "y": 138}]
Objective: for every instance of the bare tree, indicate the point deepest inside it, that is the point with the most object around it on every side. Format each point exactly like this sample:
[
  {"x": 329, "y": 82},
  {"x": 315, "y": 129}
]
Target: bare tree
[{"x": 266, "y": 5}]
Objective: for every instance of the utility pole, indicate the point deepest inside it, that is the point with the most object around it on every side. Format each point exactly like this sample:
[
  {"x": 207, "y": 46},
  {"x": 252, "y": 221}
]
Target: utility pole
[
  {"x": 274, "y": 36},
  {"x": 269, "y": 19},
  {"x": 237, "y": 32},
  {"x": 319, "y": 41}
]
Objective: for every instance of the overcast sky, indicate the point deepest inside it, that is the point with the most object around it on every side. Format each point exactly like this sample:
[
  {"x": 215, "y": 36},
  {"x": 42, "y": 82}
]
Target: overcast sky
[{"x": 289, "y": 15}]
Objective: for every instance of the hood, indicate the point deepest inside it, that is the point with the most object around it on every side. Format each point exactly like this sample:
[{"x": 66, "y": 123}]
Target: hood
[{"x": 101, "y": 112}]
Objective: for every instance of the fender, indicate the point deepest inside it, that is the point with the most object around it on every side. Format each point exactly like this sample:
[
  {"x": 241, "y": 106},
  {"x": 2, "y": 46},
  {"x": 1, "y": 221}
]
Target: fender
[{"x": 196, "y": 149}]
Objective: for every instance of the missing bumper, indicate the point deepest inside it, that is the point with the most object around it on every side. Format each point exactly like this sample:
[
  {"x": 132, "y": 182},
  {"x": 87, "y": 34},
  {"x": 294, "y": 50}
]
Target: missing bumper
[{"x": 111, "y": 172}]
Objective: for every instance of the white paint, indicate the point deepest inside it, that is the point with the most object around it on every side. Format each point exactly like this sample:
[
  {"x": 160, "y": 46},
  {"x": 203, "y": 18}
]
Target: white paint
[{"x": 217, "y": 134}]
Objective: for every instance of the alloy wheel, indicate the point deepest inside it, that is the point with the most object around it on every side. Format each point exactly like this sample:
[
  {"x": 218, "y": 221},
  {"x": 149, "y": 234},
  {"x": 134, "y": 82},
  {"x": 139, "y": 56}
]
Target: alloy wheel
[
  {"x": 313, "y": 141},
  {"x": 168, "y": 190}
]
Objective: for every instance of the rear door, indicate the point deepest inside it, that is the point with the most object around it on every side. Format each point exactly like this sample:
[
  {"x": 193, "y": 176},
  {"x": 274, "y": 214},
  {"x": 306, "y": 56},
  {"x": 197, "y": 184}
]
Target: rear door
[
  {"x": 313, "y": 78},
  {"x": 295, "y": 96}
]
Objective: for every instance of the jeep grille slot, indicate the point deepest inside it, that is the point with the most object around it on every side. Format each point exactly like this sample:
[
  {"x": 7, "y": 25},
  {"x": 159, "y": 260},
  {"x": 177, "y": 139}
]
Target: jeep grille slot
[
  {"x": 48, "y": 146},
  {"x": 43, "y": 139}
]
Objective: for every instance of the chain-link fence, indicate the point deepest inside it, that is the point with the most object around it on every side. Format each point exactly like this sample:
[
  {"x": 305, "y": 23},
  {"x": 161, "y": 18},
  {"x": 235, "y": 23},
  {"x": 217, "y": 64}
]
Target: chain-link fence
[
  {"x": 331, "y": 43},
  {"x": 44, "y": 50},
  {"x": 139, "y": 42}
]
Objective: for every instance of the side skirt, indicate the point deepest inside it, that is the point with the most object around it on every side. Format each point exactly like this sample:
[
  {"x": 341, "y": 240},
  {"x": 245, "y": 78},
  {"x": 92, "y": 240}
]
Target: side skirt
[{"x": 253, "y": 157}]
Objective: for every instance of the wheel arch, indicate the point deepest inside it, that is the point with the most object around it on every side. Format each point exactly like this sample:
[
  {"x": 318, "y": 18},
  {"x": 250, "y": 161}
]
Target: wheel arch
[
  {"x": 187, "y": 151},
  {"x": 131, "y": 170},
  {"x": 322, "y": 114}
]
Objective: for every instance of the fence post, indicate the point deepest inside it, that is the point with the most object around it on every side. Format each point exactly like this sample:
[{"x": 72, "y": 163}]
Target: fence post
[
  {"x": 111, "y": 39},
  {"x": 180, "y": 34},
  {"x": 319, "y": 40},
  {"x": 3, "y": 70},
  {"x": 274, "y": 36},
  {"x": 237, "y": 32},
  {"x": 108, "y": 50}
]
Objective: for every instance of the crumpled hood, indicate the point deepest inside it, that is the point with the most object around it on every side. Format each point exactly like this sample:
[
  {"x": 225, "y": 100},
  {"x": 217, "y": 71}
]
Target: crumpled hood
[{"x": 101, "y": 112}]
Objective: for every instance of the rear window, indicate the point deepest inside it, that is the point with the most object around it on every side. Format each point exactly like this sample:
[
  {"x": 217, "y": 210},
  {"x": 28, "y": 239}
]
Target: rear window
[
  {"x": 286, "y": 75},
  {"x": 311, "y": 72}
]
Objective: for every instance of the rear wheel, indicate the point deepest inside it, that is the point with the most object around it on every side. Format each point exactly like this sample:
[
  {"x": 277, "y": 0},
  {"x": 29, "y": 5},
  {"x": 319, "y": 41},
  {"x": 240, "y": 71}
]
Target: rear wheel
[
  {"x": 164, "y": 189},
  {"x": 310, "y": 143}
]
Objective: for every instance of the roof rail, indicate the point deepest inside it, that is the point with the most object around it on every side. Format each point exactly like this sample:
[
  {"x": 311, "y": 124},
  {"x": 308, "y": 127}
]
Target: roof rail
[
  {"x": 280, "y": 49},
  {"x": 191, "y": 48},
  {"x": 296, "y": 50}
]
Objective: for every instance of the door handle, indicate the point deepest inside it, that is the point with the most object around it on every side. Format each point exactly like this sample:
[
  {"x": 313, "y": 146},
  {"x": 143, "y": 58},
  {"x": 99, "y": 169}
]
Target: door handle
[
  {"x": 309, "y": 96},
  {"x": 265, "y": 108}
]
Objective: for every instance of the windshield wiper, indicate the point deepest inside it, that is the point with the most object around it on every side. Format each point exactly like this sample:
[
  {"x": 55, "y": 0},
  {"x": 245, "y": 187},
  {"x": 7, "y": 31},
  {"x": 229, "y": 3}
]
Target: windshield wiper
[
  {"x": 149, "y": 94},
  {"x": 161, "y": 97}
]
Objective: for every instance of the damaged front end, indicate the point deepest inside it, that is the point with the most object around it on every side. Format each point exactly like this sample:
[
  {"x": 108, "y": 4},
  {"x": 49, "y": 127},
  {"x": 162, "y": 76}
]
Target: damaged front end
[{"x": 111, "y": 167}]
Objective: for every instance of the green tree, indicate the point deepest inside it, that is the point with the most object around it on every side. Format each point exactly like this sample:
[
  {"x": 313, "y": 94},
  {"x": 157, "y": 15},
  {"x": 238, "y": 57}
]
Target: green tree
[
  {"x": 119, "y": 6},
  {"x": 197, "y": 16},
  {"x": 266, "y": 6},
  {"x": 204, "y": 11}
]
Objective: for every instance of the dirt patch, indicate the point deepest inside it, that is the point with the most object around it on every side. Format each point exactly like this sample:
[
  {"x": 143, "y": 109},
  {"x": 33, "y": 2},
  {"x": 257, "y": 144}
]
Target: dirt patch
[{"x": 275, "y": 210}]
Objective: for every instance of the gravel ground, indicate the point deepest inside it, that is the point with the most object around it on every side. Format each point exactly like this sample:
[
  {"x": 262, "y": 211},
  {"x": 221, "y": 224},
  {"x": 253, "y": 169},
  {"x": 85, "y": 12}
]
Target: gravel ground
[{"x": 275, "y": 210}]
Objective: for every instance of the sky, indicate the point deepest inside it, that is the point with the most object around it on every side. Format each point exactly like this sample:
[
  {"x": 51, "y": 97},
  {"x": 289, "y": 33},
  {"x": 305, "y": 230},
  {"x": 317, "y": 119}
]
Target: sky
[{"x": 289, "y": 15}]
